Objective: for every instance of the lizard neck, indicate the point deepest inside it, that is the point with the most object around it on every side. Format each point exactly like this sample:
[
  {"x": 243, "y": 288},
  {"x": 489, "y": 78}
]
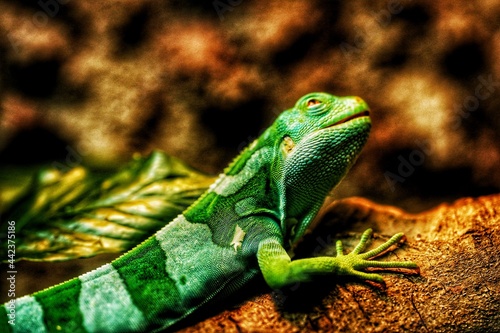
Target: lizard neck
[{"x": 245, "y": 190}]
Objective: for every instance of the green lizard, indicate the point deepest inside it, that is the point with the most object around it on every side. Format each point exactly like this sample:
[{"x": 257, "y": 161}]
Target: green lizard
[{"x": 241, "y": 227}]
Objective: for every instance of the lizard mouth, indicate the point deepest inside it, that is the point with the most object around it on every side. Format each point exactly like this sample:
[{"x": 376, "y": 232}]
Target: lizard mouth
[{"x": 365, "y": 113}]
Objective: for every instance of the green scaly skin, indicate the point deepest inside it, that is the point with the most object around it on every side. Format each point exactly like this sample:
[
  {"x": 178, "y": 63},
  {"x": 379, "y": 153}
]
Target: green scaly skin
[{"x": 241, "y": 227}]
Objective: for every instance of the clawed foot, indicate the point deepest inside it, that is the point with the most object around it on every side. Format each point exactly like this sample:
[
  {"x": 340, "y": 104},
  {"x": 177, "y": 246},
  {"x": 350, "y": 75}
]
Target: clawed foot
[{"x": 352, "y": 263}]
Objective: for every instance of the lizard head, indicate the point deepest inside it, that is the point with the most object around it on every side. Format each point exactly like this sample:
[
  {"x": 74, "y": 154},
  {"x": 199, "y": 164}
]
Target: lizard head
[{"x": 318, "y": 140}]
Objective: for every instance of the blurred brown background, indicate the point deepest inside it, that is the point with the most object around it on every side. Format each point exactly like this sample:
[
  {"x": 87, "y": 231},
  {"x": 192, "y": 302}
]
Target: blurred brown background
[{"x": 93, "y": 82}]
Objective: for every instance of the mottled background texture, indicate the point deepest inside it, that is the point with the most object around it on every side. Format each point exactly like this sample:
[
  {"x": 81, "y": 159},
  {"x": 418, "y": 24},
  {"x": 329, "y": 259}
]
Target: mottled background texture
[{"x": 93, "y": 82}]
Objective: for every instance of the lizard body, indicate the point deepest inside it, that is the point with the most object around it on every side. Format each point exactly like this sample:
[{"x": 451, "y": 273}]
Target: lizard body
[{"x": 241, "y": 227}]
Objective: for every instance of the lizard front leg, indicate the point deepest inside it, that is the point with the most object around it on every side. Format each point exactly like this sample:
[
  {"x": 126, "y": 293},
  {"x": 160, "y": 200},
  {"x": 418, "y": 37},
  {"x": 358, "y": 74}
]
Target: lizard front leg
[{"x": 279, "y": 270}]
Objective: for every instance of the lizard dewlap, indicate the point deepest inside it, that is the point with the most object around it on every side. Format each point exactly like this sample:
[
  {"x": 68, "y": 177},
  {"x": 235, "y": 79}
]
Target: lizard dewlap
[{"x": 240, "y": 228}]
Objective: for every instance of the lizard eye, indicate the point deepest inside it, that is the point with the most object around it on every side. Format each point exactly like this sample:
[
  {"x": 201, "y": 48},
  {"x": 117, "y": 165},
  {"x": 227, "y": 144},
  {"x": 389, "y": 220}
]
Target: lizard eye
[
  {"x": 315, "y": 106},
  {"x": 313, "y": 102}
]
